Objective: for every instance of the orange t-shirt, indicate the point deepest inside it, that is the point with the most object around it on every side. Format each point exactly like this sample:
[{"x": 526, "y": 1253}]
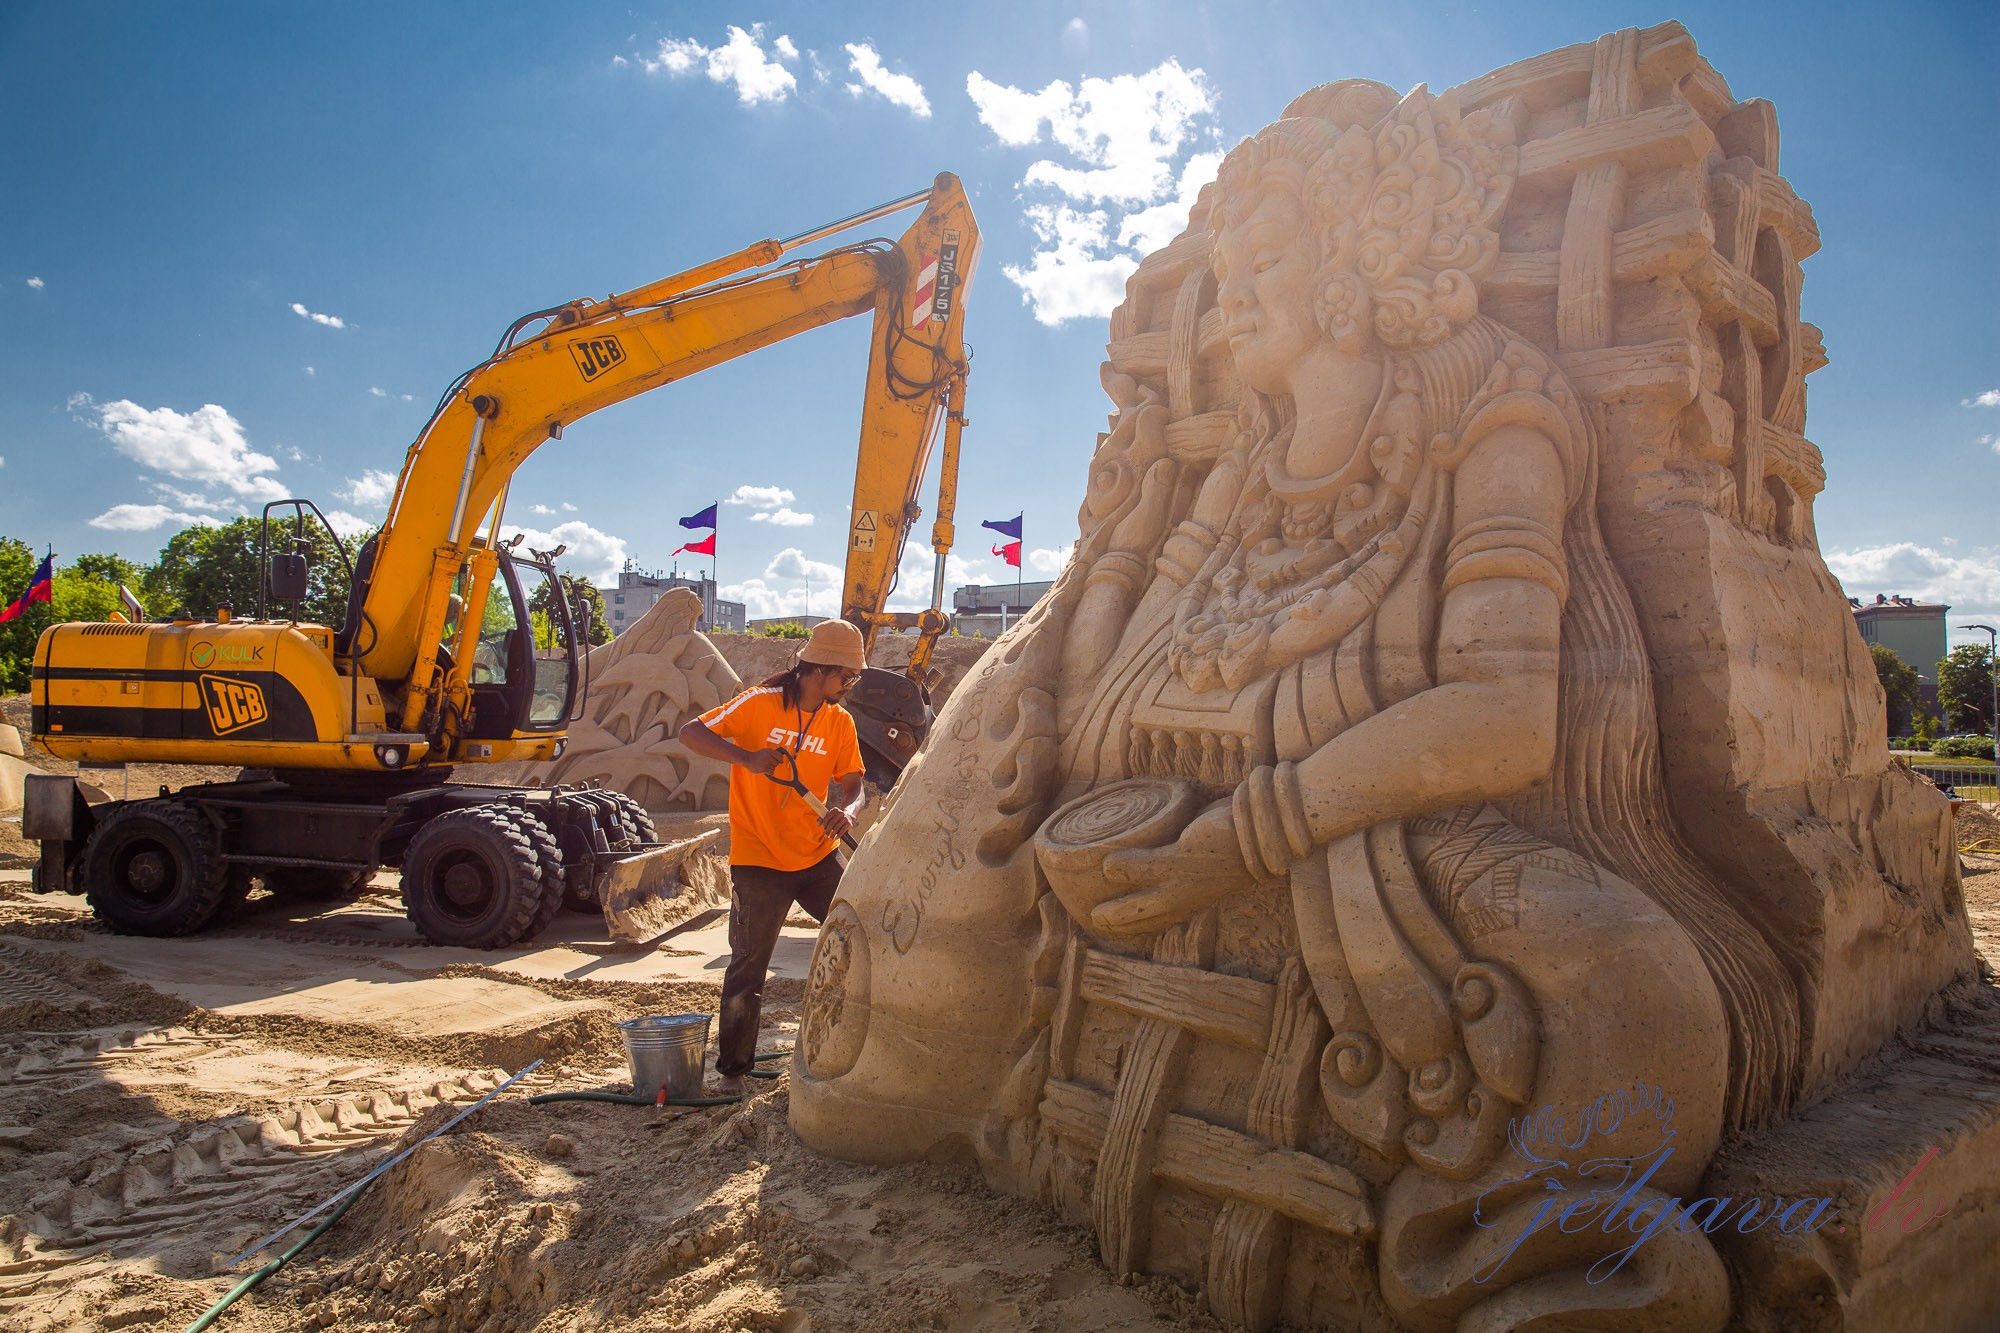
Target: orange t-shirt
[{"x": 770, "y": 825}]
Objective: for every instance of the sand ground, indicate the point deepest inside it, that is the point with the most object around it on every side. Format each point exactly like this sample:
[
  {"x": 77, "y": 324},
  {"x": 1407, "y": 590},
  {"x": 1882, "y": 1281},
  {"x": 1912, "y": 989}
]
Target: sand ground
[{"x": 164, "y": 1103}]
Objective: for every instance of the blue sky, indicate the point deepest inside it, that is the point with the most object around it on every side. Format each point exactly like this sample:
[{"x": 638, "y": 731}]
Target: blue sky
[{"x": 246, "y": 245}]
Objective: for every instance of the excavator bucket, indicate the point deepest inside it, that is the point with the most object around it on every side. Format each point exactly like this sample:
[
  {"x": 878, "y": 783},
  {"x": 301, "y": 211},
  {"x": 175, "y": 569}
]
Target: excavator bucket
[
  {"x": 892, "y": 716},
  {"x": 639, "y": 889}
]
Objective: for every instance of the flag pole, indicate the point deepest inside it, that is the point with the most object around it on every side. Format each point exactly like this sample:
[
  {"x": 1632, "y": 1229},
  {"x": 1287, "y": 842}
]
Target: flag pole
[{"x": 1022, "y": 519}]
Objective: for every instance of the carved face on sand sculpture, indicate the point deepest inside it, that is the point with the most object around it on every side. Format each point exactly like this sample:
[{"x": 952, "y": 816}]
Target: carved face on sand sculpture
[{"x": 1263, "y": 273}]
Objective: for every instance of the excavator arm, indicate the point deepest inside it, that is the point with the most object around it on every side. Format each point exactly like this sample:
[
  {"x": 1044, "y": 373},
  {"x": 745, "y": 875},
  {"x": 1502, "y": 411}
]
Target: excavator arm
[{"x": 590, "y": 354}]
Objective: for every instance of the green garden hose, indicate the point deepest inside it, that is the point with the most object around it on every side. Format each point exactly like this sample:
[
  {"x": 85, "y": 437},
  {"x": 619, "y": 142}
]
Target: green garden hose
[{"x": 214, "y": 1311}]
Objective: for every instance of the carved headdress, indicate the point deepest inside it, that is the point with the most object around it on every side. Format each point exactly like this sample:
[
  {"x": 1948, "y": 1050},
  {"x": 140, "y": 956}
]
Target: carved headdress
[{"x": 1404, "y": 196}]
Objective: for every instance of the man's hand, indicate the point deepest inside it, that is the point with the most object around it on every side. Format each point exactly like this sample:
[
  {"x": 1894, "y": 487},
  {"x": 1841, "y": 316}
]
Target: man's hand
[
  {"x": 764, "y": 762},
  {"x": 836, "y": 821}
]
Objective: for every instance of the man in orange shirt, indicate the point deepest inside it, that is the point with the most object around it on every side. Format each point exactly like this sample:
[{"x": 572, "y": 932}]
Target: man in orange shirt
[{"x": 780, "y": 852}]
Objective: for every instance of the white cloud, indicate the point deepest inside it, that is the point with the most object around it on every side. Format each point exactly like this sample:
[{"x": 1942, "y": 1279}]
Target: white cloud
[
  {"x": 3, "y": 460},
  {"x": 792, "y": 563},
  {"x": 1075, "y": 37},
  {"x": 900, "y": 89},
  {"x": 783, "y": 518},
  {"x": 36, "y": 283},
  {"x": 619, "y": 62},
  {"x": 371, "y": 490},
  {"x": 144, "y": 518},
  {"x": 1990, "y": 398},
  {"x": 1048, "y": 559},
  {"x": 740, "y": 61},
  {"x": 206, "y": 445},
  {"x": 1074, "y": 273},
  {"x": 309, "y": 370},
  {"x": 1991, "y": 441},
  {"x": 761, "y": 601},
  {"x": 1967, "y": 581},
  {"x": 568, "y": 508},
  {"x": 760, "y": 497},
  {"x": 791, "y": 585},
  {"x": 350, "y": 525},
  {"x": 1151, "y": 228},
  {"x": 595, "y": 555},
  {"x": 919, "y": 566},
  {"x": 331, "y": 321},
  {"x": 540, "y": 509},
  {"x": 1126, "y": 138},
  {"x": 374, "y": 392},
  {"x": 185, "y": 499}
]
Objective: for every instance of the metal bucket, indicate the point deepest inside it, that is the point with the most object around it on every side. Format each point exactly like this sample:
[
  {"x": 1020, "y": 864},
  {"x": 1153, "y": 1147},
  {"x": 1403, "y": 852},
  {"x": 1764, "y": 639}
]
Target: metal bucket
[{"x": 666, "y": 1052}]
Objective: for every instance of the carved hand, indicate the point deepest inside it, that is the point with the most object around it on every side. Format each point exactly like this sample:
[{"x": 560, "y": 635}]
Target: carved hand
[{"x": 1172, "y": 883}]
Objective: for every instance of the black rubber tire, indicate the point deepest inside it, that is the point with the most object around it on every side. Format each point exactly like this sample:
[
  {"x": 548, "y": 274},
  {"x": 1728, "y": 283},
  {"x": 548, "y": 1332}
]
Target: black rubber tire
[
  {"x": 472, "y": 879},
  {"x": 154, "y": 868},
  {"x": 315, "y": 884},
  {"x": 632, "y": 820},
  {"x": 236, "y": 883},
  {"x": 550, "y": 858}
]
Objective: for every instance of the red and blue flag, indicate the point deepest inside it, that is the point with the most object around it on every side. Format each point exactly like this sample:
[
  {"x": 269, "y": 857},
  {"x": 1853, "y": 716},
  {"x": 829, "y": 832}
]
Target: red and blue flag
[{"x": 41, "y": 588}]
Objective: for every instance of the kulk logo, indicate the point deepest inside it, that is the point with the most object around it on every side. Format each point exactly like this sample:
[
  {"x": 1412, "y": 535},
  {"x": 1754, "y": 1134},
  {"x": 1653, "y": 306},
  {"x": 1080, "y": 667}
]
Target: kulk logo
[
  {"x": 202, "y": 654},
  {"x": 594, "y": 356},
  {"x": 232, "y": 704}
]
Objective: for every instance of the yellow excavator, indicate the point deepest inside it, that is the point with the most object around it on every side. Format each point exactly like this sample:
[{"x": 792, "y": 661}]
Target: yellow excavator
[{"x": 454, "y": 650}]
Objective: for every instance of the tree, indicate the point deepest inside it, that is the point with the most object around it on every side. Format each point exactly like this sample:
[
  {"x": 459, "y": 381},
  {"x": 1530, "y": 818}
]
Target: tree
[
  {"x": 1965, "y": 688},
  {"x": 579, "y": 592},
  {"x": 112, "y": 569},
  {"x": 17, "y": 636},
  {"x": 1900, "y": 684},
  {"x": 202, "y": 568}
]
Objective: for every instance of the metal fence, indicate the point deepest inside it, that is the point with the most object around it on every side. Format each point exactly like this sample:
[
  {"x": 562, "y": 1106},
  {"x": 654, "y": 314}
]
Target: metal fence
[{"x": 1963, "y": 780}]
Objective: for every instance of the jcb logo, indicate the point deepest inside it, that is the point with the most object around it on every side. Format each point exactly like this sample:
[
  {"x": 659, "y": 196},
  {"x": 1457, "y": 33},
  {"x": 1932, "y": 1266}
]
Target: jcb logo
[
  {"x": 594, "y": 356},
  {"x": 232, "y": 704}
]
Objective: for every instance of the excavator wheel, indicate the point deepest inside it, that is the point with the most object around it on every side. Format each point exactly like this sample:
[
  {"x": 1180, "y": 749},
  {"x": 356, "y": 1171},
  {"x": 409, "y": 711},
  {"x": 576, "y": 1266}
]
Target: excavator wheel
[
  {"x": 548, "y": 855},
  {"x": 316, "y": 884},
  {"x": 631, "y": 819},
  {"x": 472, "y": 878},
  {"x": 154, "y": 868},
  {"x": 236, "y": 884}
]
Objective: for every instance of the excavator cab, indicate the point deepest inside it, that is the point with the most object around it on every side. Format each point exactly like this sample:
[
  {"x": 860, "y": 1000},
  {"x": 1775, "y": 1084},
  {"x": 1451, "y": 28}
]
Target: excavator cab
[{"x": 523, "y": 670}]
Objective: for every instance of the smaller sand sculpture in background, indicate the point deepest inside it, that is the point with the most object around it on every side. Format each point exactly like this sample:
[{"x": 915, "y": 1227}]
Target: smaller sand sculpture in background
[{"x": 643, "y": 685}]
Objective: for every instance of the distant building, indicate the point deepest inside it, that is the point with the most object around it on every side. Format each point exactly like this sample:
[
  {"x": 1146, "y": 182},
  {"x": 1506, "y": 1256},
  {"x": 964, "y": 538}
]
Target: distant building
[
  {"x": 1913, "y": 629},
  {"x": 989, "y": 608},
  {"x": 636, "y": 592}
]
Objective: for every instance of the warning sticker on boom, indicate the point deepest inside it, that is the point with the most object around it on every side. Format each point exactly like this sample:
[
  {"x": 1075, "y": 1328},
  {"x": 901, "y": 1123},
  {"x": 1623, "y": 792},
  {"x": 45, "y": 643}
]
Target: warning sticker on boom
[{"x": 863, "y": 536}]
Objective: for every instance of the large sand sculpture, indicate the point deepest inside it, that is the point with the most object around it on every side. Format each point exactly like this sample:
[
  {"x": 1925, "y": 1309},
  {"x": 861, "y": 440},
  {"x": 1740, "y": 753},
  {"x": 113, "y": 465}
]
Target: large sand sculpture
[{"x": 1447, "y": 728}]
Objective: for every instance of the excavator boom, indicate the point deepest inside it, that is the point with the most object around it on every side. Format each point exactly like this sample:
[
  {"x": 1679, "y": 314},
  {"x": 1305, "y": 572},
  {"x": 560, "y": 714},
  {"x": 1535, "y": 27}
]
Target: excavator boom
[{"x": 589, "y": 355}]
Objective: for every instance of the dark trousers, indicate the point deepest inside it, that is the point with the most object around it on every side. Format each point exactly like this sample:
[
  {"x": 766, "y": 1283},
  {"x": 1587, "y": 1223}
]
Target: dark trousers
[{"x": 763, "y": 899}]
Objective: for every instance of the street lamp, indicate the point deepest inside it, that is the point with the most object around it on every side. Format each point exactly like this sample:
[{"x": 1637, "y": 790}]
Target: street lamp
[{"x": 1992, "y": 679}]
